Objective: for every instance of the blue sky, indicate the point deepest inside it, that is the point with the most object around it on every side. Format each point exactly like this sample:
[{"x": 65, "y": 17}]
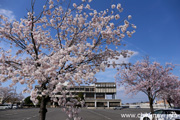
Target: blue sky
[{"x": 157, "y": 34}]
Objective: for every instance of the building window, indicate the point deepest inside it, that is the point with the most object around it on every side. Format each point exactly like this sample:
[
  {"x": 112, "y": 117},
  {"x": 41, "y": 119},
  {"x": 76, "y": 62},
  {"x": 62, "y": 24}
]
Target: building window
[
  {"x": 82, "y": 89},
  {"x": 76, "y": 88},
  {"x": 91, "y": 89}
]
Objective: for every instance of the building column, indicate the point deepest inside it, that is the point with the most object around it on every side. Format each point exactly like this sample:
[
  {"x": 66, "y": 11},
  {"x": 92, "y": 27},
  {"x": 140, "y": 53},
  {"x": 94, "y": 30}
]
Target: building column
[
  {"x": 113, "y": 96},
  {"x": 53, "y": 105},
  {"x": 95, "y": 104},
  {"x": 94, "y": 95},
  {"x": 105, "y": 95},
  {"x": 108, "y": 104},
  {"x": 84, "y": 95}
]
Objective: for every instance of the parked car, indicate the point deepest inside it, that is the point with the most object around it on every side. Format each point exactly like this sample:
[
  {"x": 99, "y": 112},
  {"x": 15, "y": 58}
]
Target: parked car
[
  {"x": 138, "y": 107},
  {"x": 118, "y": 108},
  {"x": 162, "y": 114},
  {"x": 14, "y": 106},
  {"x": 4, "y": 106}
]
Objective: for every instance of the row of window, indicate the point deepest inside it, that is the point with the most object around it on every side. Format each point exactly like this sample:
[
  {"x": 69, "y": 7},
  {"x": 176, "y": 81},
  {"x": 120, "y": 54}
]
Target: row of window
[
  {"x": 82, "y": 89},
  {"x": 108, "y": 90},
  {"x": 106, "y": 85}
]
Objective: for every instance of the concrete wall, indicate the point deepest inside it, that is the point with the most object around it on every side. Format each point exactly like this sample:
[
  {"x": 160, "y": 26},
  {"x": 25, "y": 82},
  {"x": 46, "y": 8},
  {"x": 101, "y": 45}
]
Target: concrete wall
[{"x": 156, "y": 106}]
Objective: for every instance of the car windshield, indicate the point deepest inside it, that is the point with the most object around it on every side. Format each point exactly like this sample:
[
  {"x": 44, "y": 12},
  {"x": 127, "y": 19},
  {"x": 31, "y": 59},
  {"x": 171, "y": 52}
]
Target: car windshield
[
  {"x": 167, "y": 112},
  {"x": 177, "y": 111},
  {"x": 170, "y": 112},
  {"x": 158, "y": 112}
]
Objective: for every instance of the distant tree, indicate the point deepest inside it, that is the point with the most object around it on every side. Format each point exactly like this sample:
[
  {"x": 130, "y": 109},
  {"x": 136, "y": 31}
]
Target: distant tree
[
  {"x": 6, "y": 93},
  {"x": 66, "y": 42},
  {"x": 175, "y": 98},
  {"x": 172, "y": 95},
  {"x": 149, "y": 78},
  {"x": 15, "y": 98},
  {"x": 27, "y": 101},
  {"x": 80, "y": 96},
  {"x": 10, "y": 95}
]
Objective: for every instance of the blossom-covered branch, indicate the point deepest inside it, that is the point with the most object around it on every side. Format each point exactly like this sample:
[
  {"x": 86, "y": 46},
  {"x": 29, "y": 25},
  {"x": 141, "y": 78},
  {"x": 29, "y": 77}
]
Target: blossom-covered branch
[
  {"x": 66, "y": 42},
  {"x": 150, "y": 78}
]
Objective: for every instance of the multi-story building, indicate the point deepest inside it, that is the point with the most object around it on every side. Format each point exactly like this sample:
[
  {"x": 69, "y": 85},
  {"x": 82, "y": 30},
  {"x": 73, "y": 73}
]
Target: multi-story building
[{"x": 101, "y": 94}]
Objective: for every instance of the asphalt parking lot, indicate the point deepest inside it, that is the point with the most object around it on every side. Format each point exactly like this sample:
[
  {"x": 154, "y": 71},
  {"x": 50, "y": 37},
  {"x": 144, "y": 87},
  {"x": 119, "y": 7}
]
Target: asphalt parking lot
[{"x": 86, "y": 114}]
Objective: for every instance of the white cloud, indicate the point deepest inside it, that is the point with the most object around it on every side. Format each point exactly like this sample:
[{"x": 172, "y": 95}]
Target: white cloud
[
  {"x": 109, "y": 74},
  {"x": 91, "y": 84},
  {"x": 7, "y": 13},
  {"x": 65, "y": 83},
  {"x": 121, "y": 59}
]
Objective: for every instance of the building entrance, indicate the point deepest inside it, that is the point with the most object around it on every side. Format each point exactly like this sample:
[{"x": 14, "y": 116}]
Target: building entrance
[{"x": 101, "y": 104}]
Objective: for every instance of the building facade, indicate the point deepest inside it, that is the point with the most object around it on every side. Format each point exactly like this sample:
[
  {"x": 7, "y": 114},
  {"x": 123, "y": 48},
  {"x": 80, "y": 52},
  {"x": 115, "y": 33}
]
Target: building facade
[{"x": 99, "y": 95}]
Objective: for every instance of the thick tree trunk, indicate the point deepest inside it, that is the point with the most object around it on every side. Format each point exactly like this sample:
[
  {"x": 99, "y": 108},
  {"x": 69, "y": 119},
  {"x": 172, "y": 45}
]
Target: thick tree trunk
[
  {"x": 151, "y": 104},
  {"x": 169, "y": 100},
  {"x": 43, "y": 110},
  {"x": 151, "y": 107},
  {"x": 169, "y": 103}
]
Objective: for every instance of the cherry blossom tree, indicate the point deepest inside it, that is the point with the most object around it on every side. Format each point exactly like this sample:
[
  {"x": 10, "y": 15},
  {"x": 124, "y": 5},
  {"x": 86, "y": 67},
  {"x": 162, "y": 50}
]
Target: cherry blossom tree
[
  {"x": 172, "y": 95},
  {"x": 9, "y": 95},
  {"x": 175, "y": 98},
  {"x": 5, "y": 93},
  {"x": 149, "y": 78},
  {"x": 66, "y": 42}
]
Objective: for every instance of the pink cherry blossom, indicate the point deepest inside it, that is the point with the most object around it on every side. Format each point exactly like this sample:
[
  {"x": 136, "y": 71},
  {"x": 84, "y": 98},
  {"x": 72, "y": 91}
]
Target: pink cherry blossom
[
  {"x": 150, "y": 78},
  {"x": 61, "y": 45}
]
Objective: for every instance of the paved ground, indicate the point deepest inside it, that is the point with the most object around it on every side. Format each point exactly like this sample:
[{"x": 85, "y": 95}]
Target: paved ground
[{"x": 86, "y": 114}]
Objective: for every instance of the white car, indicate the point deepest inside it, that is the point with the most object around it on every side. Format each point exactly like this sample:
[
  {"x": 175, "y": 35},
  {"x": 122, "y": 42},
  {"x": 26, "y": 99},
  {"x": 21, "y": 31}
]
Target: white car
[
  {"x": 118, "y": 108},
  {"x": 14, "y": 106},
  {"x": 4, "y": 106},
  {"x": 162, "y": 114}
]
